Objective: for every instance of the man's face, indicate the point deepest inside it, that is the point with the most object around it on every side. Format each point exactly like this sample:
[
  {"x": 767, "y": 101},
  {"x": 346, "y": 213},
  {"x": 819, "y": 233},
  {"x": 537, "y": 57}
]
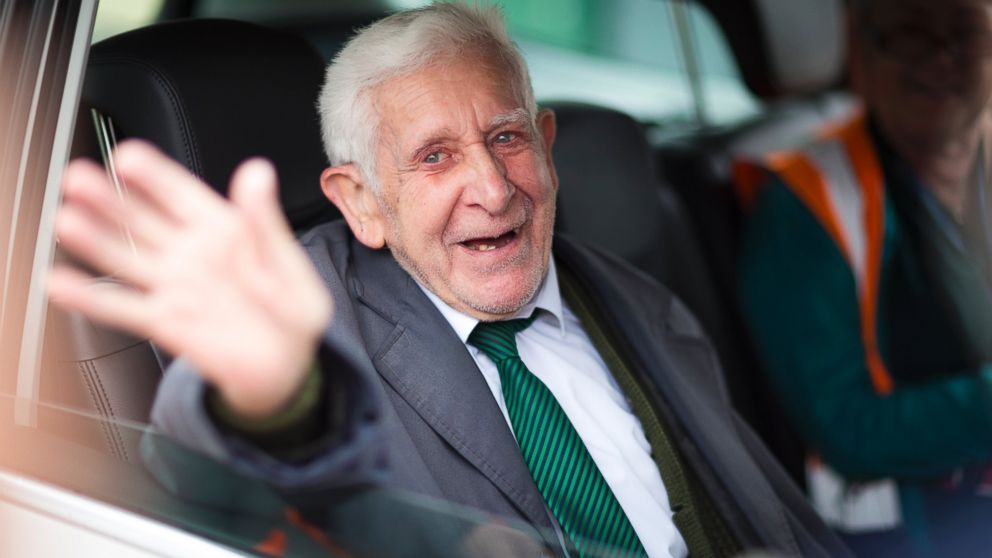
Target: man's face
[
  {"x": 467, "y": 194},
  {"x": 924, "y": 67}
]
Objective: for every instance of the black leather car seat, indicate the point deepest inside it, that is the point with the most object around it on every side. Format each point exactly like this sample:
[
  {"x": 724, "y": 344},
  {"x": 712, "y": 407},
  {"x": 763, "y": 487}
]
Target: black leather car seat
[
  {"x": 610, "y": 196},
  {"x": 210, "y": 93}
]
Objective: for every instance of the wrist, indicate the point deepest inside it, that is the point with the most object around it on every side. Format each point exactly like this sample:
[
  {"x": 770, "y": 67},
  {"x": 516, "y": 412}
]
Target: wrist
[
  {"x": 299, "y": 406},
  {"x": 265, "y": 394}
]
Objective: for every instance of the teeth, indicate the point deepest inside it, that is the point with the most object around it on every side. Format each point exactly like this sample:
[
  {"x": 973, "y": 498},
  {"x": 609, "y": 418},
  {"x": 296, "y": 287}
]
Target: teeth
[{"x": 485, "y": 247}]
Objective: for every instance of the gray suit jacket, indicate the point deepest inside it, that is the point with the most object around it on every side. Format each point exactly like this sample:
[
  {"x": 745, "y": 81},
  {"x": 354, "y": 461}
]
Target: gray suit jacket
[{"x": 421, "y": 417}]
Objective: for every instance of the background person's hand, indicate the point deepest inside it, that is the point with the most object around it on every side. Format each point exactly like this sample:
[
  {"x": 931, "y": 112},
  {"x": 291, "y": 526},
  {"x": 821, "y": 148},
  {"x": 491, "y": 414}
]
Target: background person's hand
[{"x": 222, "y": 283}]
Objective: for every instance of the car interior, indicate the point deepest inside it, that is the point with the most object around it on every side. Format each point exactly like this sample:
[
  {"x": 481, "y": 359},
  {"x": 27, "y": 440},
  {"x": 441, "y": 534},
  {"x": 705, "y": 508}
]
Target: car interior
[
  {"x": 211, "y": 92},
  {"x": 667, "y": 207}
]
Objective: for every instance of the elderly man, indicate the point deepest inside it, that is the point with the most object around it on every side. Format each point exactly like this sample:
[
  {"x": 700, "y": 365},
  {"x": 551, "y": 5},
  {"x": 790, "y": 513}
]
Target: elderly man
[
  {"x": 443, "y": 330},
  {"x": 866, "y": 279}
]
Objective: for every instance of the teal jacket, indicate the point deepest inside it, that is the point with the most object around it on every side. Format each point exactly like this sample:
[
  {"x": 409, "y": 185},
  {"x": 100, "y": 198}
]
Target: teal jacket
[{"x": 799, "y": 299}]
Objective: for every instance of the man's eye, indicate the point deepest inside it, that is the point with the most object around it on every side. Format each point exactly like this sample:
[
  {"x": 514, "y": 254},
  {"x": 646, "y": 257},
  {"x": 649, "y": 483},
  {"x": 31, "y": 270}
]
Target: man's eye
[
  {"x": 434, "y": 158},
  {"x": 505, "y": 137}
]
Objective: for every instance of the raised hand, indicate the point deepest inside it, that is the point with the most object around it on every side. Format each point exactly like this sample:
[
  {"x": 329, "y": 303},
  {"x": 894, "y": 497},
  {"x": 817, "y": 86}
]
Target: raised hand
[{"x": 222, "y": 283}]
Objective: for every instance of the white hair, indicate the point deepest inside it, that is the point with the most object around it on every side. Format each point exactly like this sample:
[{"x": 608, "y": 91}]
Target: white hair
[{"x": 400, "y": 45}]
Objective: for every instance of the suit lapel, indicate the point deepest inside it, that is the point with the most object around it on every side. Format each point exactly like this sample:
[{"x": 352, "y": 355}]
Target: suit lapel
[
  {"x": 423, "y": 360},
  {"x": 706, "y": 422}
]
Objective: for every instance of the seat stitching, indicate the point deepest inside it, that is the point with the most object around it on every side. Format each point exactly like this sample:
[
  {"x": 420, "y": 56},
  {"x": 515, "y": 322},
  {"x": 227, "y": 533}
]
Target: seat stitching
[
  {"x": 113, "y": 427},
  {"x": 85, "y": 368},
  {"x": 101, "y": 401}
]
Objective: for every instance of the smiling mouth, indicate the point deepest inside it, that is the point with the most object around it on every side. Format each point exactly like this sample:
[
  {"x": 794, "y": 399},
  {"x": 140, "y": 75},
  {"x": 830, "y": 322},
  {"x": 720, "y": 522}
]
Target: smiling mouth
[{"x": 490, "y": 243}]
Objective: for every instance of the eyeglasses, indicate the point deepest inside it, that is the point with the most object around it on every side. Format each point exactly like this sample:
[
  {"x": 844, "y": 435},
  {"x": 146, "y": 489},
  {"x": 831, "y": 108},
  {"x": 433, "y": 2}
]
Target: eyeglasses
[{"x": 911, "y": 44}]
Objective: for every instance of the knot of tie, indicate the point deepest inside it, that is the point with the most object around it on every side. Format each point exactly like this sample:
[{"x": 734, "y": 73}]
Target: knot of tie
[{"x": 498, "y": 339}]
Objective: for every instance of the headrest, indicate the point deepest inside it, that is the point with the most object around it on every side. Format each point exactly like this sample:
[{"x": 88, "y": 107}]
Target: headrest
[
  {"x": 785, "y": 47},
  {"x": 212, "y": 93},
  {"x": 608, "y": 188}
]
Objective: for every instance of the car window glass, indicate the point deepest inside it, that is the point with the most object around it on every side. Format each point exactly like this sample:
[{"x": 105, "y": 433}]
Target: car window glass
[
  {"x": 639, "y": 51},
  {"x": 118, "y": 16},
  {"x": 187, "y": 490},
  {"x": 725, "y": 98}
]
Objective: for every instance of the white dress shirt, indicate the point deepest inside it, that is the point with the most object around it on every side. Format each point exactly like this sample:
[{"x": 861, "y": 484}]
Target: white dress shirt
[{"x": 557, "y": 350}]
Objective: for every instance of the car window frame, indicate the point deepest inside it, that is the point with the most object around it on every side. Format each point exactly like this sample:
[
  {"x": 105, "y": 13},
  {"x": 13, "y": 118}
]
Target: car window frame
[{"x": 49, "y": 62}]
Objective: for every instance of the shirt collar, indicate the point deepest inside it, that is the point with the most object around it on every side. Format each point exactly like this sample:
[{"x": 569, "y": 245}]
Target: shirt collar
[{"x": 548, "y": 298}]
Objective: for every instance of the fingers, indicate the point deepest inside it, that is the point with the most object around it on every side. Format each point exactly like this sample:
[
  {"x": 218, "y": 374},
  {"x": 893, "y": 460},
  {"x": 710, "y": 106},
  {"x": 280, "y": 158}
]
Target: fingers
[
  {"x": 106, "y": 250},
  {"x": 106, "y": 302},
  {"x": 166, "y": 184},
  {"x": 87, "y": 187},
  {"x": 119, "y": 236},
  {"x": 254, "y": 191}
]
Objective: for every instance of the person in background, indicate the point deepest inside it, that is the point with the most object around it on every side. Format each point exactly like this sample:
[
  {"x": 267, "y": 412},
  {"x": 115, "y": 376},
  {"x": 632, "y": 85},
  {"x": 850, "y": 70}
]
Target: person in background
[{"x": 865, "y": 281}]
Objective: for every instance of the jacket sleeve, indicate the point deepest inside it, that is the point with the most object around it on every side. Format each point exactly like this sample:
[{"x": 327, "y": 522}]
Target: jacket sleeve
[
  {"x": 348, "y": 454},
  {"x": 800, "y": 301}
]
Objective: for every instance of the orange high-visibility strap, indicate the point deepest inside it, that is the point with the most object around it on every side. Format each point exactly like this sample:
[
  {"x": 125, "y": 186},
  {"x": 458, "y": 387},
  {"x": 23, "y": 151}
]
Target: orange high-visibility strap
[
  {"x": 809, "y": 185},
  {"x": 863, "y": 158},
  {"x": 802, "y": 177}
]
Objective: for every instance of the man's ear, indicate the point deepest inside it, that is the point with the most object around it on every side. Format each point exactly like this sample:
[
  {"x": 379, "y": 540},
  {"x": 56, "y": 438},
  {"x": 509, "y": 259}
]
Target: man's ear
[
  {"x": 546, "y": 127},
  {"x": 345, "y": 186}
]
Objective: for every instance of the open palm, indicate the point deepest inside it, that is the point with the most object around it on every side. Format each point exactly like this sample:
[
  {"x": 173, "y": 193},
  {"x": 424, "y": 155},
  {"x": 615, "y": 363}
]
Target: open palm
[{"x": 221, "y": 282}]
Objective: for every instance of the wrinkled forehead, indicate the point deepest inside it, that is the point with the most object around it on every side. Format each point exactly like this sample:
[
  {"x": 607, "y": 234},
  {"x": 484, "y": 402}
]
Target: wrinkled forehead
[{"x": 414, "y": 106}]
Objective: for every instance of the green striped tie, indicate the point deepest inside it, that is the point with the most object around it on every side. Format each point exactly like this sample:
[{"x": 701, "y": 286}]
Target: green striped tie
[{"x": 572, "y": 486}]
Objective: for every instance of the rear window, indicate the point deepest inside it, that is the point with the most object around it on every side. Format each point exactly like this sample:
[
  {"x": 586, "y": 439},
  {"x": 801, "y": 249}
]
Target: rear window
[{"x": 659, "y": 61}]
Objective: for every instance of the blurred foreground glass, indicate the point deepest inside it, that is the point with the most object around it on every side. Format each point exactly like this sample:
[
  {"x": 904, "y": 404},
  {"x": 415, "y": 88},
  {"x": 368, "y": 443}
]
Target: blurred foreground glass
[{"x": 197, "y": 495}]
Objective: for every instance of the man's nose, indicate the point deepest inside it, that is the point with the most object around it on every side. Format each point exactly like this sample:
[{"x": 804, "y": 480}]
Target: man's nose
[{"x": 487, "y": 185}]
